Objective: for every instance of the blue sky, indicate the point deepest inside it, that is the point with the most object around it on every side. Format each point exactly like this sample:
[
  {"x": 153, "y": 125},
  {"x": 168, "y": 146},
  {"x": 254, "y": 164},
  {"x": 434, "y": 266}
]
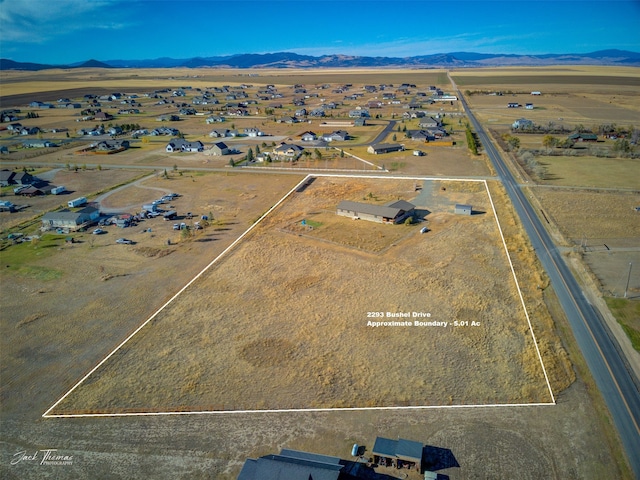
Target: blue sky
[{"x": 67, "y": 31}]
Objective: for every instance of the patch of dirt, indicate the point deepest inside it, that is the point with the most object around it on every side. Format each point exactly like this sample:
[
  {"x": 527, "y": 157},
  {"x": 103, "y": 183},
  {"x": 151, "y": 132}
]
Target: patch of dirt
[{"x": 151, "y": 252}]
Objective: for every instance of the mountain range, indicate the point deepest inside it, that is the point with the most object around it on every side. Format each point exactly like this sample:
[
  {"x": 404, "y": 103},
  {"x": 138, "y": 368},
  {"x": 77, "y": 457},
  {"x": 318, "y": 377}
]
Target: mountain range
[{"x": 294, "y": 60}]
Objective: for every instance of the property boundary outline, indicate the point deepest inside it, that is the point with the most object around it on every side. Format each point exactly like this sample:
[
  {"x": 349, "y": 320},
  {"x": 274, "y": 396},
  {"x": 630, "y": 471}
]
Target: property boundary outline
[{"x": 47, "y": 413}]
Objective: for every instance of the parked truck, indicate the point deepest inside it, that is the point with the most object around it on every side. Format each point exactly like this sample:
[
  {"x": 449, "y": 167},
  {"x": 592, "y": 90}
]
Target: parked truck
[
  {"x": 170, "y": 215},
  {"x": 77, "y": 202}
]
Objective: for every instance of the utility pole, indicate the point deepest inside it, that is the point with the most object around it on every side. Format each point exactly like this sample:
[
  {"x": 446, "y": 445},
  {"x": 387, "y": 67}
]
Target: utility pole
[{"x": 628, "y": 278}]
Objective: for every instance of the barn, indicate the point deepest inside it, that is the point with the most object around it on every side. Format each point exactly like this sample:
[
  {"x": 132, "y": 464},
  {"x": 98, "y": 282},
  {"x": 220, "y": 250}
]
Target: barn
[{"x": 392, "y": 212}]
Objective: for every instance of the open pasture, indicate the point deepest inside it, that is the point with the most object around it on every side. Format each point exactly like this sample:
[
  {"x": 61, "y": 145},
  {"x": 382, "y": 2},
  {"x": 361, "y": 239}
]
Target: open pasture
[
  {"x": 606, "y": 215},
  {"x": 568, "y": 109},
  {"x": 555, "y": 79},
  {"x": 238, "y": 340},
  {"x": 589, "y": 171}
]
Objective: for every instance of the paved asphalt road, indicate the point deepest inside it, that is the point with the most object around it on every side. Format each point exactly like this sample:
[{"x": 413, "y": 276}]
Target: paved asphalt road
[{"x": 599, "y": 349}]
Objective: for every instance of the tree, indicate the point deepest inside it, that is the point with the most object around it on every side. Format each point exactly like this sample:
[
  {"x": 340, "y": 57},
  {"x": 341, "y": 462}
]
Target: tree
[
  {"x": 231, "y": 163},
  {"x": 257, "y": 150},
  {"x": 549, "y": 141},
  {"x": 318, "y": 154},
  {"x": 342, "y": 153},
  {"x": 514, "y": 143},
  {"x": 394, "y": 138},
  {"x": 472, "y": 143},
  {"x": 622, "y": 145},
  {"x": 249, "y": 156}
]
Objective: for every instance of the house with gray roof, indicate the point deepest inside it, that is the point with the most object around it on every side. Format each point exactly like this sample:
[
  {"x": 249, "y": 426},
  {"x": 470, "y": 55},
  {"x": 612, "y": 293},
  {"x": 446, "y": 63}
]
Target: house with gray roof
[
  {"x": 430, "y": 122},
  {"x": 336, "y": 136},
  {"x": 71, "y": 219},
  {"x": 181, "y": 145},
  {"x": 522, "y": 123},
  {"x": 392, "y": 212},
  {"x": 357, "y": 113},
  {"x": 6, "y": 177},
  {"x": 220, "y": 133},
  {"x": 292, "y": 465},
  {"x": 385, "y": 148}
]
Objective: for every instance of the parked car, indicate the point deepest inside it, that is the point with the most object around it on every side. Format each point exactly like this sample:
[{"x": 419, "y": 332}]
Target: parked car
[
  {"x": 176, "y": 226},
  {"x": 124, "y": 241},
  {"x": 98, "y": 231}
]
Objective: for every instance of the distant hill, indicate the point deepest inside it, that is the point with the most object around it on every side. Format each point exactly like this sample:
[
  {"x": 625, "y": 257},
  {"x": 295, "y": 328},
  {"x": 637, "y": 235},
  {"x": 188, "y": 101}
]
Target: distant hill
[
  {"x": 93, "y": 64},
  {"x": 294, "y": 60}
]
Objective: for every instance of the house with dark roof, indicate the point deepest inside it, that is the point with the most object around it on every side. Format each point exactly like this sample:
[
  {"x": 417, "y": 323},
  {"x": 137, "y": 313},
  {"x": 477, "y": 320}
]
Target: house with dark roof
[
  {"x": 309, "y": 136},
  {"x": 6, "y": 177},
  {"x": 400, "y": 453},
  {"x": 287, "y": 151},
  {"x": 292, "y": 465},
  {"x": 23, "y": 178},
  {"x": 392, "y": 212},
  {"x": 112, "y": 146},
  {"x": 583, "y": 137},
  {"x": 103, "y": 116},
  {"x": 430, "y": 122},
  {"x": 385, "y": 148},
  {"x": 220, "y": 148},
  {"x": 181, "y": 145}
]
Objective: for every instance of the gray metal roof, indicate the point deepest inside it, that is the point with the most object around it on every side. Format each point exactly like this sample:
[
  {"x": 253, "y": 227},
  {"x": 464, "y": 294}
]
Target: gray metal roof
[
  {"x": 387, "y": 211},
  {"x": 291, "y": 465},
  {"x": 401, "y": 448}
]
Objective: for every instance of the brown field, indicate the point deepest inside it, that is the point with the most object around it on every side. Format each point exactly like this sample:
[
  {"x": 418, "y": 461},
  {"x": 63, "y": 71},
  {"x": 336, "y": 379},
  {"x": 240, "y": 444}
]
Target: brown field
[
  {"x": 608, "y": 215},
  {"x": 244, "y": 345},
  {"x": 568, "y": 109},
  {"x": 622, "y": 173}
]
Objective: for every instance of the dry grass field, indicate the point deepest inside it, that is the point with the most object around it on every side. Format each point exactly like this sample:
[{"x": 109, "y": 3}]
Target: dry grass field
[
  {"x": 570, "y": 95},
  {"x": 589, "y": 171},
  {"x": 238, "y": 340}
]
